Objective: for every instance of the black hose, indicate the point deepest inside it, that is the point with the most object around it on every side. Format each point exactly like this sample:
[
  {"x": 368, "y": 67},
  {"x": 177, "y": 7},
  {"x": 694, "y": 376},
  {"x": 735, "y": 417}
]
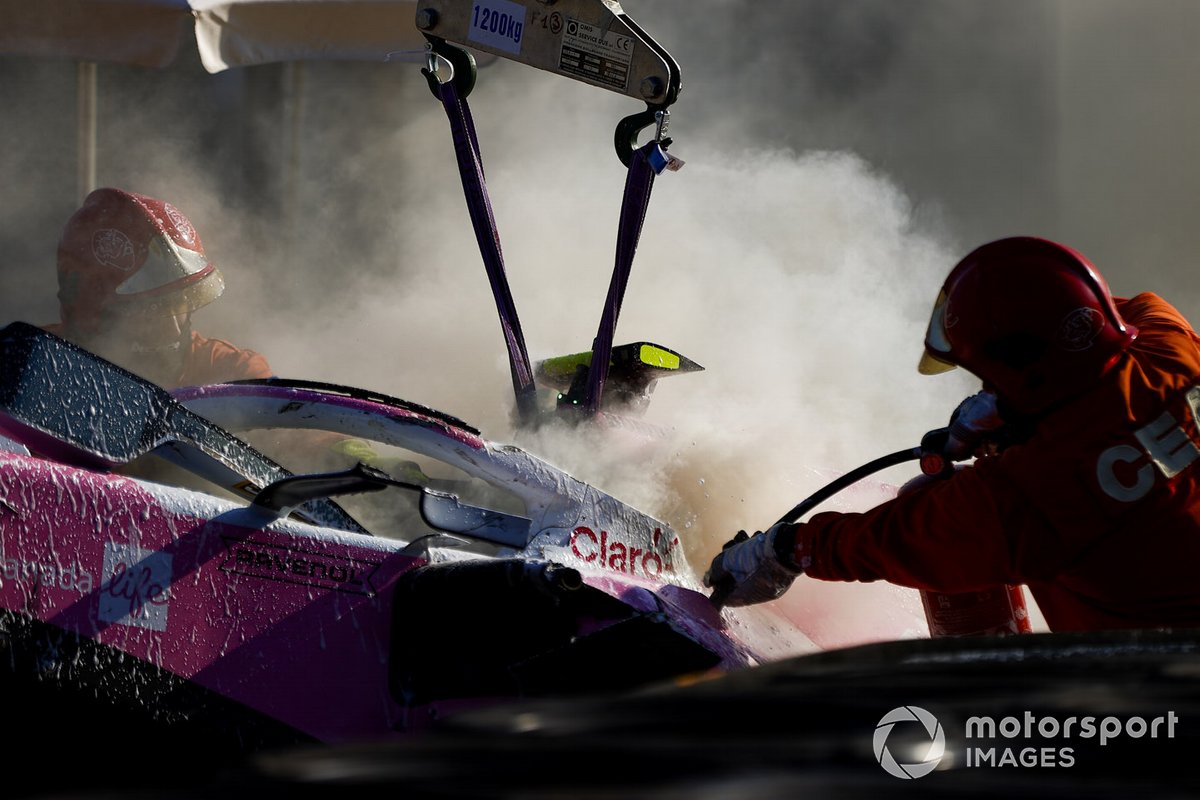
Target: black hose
[{"x": 853, "y": 476}]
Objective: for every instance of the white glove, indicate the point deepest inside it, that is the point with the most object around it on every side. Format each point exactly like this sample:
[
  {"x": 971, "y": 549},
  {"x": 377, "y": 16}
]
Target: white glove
[
  {"x": 970, "y": 425},
  {"x": 750, "y": 569}
]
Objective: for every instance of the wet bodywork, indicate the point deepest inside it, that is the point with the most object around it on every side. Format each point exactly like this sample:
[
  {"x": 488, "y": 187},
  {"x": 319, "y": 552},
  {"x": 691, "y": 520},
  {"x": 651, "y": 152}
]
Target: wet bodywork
[{"x": 198, "y": 622}]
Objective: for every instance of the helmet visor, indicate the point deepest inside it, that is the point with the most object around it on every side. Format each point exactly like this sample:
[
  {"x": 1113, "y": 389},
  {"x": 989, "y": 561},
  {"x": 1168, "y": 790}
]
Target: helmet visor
[
  {"x": 936, "y": 358},
  {"x": 932, "y": 365},
  {"x": 173, "y": 280}
]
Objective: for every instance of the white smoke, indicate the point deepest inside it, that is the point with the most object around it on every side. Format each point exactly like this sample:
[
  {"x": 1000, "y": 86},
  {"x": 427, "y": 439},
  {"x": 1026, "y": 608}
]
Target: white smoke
[
  {"x": 800, "y": 278},
  {"x": 800, "y": 281}
]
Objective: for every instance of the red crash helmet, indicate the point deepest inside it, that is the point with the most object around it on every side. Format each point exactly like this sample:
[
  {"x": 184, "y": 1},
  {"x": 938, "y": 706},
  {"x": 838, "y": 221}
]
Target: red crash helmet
[
  {"x": 1032, "y": 318},
  {"x": 123, "y": 253}
]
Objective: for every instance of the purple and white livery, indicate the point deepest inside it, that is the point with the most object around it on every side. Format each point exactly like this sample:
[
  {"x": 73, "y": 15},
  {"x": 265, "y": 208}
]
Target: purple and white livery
[{"x": 276, "y": 620}]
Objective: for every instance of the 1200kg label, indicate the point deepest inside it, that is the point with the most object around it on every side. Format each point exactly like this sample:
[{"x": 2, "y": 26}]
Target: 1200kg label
[{"x": 498, "y": 24}]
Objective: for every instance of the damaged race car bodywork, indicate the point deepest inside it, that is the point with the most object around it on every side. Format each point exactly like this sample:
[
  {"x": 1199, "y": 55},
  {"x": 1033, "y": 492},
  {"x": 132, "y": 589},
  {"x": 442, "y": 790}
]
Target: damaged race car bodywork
[{"x": 177, "y": 611}]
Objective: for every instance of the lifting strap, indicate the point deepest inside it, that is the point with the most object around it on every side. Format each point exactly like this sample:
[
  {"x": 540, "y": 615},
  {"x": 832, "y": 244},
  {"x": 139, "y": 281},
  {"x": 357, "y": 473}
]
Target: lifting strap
[
  {"x": 644, "y": 164},
  {"x": 647, "y": 161},
  {"x": 470, "y": 169}
]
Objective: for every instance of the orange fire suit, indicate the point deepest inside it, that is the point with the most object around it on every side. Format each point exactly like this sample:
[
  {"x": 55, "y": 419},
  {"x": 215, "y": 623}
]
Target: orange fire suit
[
  {"x": 208, "y": 361},
  {"x": 1098, "y": 512},
  {"x": 218, "y": 361}
]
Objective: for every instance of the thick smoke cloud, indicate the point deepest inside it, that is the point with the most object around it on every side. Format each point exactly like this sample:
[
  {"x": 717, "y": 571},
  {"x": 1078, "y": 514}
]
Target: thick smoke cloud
[{"x": 840, "y": 156}]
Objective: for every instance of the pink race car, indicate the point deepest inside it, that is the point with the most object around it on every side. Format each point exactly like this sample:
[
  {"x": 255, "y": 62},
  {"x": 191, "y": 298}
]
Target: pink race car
[{"x": 220, "y": 600}]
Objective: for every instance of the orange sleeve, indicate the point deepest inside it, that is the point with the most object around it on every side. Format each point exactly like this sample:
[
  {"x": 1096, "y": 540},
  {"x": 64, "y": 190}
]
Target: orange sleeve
[
  {"x": 972, "y": 531},
  {"x": 218, "y": 361},
  {"x": 1148, "y": 309}
]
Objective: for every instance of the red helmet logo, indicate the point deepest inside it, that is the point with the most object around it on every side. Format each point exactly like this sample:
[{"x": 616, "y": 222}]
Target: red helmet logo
[
  {"x": 1080, "y": 328},
  {"x": 183, "y": 225},
  {"x": 112, "y": 248}
]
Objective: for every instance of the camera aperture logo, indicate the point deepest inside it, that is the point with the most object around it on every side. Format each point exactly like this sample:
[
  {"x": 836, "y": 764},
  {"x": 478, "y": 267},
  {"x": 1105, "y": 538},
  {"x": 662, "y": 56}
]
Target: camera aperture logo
[
  {"x": 927, "y": 762},
  {"x": 910, "y": 742}
]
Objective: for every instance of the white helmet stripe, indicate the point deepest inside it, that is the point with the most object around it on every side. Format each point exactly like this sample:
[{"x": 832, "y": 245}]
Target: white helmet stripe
[{"x": 166, "y": 263}]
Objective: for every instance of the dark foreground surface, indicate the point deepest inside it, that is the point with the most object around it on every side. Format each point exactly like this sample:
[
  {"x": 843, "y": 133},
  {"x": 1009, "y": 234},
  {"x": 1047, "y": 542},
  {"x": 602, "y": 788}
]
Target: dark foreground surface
[{"x": 802, "y": 728}]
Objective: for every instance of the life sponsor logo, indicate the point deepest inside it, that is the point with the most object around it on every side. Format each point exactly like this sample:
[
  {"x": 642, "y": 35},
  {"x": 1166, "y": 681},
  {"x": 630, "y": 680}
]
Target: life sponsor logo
[
  {"x": 135, "y": 586},
  {"x": 609, "y": 552},
  {"x": 293, "y": 565},
  {"x": 136, "y": 590},
  {"x": 910, "y": 742}
]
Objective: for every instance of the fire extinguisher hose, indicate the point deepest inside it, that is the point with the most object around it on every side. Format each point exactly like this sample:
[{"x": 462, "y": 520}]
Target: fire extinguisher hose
[{"x": 851, "y": 477}]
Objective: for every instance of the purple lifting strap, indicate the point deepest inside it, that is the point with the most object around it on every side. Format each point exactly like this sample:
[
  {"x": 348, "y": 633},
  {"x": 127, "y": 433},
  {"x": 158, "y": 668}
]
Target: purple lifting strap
[
  {"x": 646, "y": 162},
  {"x": 633, "y": 213},
  {"x": 470, "y": 168}
]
